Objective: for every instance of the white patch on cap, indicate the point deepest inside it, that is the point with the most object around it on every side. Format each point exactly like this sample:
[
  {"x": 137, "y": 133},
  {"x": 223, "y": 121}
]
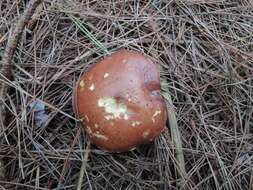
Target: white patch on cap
[
  {"x": 126, "y": 117},
  {"x": 145, "y": 134},
  {"x": 92, "y": 87},
  {"x": 99, "y": 136},
  {"x": 96, "y": 125},
  {"x": 113, "y": 109},
  {"x": 86, "y": 118},
  {"x": 157, "y": 112},
  {"x": 135, "y": 123},
  {"x": 89, "y": 131},
  {"x": 106, "y": 75},
  {"x": 124, "y": 61},
  {"x": 82, "y": 84},
  {"x": 109, "y": 117}
]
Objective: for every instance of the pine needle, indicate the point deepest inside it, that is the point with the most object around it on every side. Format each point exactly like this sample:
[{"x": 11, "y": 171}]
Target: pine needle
[{"x": 87, "y": 33}]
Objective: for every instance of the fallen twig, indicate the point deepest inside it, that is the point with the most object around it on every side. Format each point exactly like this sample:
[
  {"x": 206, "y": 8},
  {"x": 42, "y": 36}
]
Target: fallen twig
[
  {"x": 6, "y": 62},
  {"x": 176, "y": 138},
  {"x": 83, "y": 167},
  {"x": 175, "y": 133}
]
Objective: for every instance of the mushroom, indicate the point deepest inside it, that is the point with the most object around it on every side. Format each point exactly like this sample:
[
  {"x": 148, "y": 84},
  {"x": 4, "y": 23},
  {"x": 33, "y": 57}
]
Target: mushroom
[{"x": 119, "y": 103}]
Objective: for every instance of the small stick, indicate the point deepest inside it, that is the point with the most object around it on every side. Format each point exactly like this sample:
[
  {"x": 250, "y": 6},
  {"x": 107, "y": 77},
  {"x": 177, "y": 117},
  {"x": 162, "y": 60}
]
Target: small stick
[
  {"x": 83, "y": 167},
  {"x": 175, "y": 133},
  {"x": 6, "y": 62},
  {"x": 176, "y": 136},
  {"x": 176, "y": 140},
  {"x": 15, "y": 36}
]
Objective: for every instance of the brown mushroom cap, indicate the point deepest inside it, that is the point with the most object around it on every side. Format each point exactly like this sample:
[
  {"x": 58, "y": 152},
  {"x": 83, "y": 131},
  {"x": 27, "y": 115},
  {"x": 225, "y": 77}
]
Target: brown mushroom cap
[{"x": 118, "y": 100}]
